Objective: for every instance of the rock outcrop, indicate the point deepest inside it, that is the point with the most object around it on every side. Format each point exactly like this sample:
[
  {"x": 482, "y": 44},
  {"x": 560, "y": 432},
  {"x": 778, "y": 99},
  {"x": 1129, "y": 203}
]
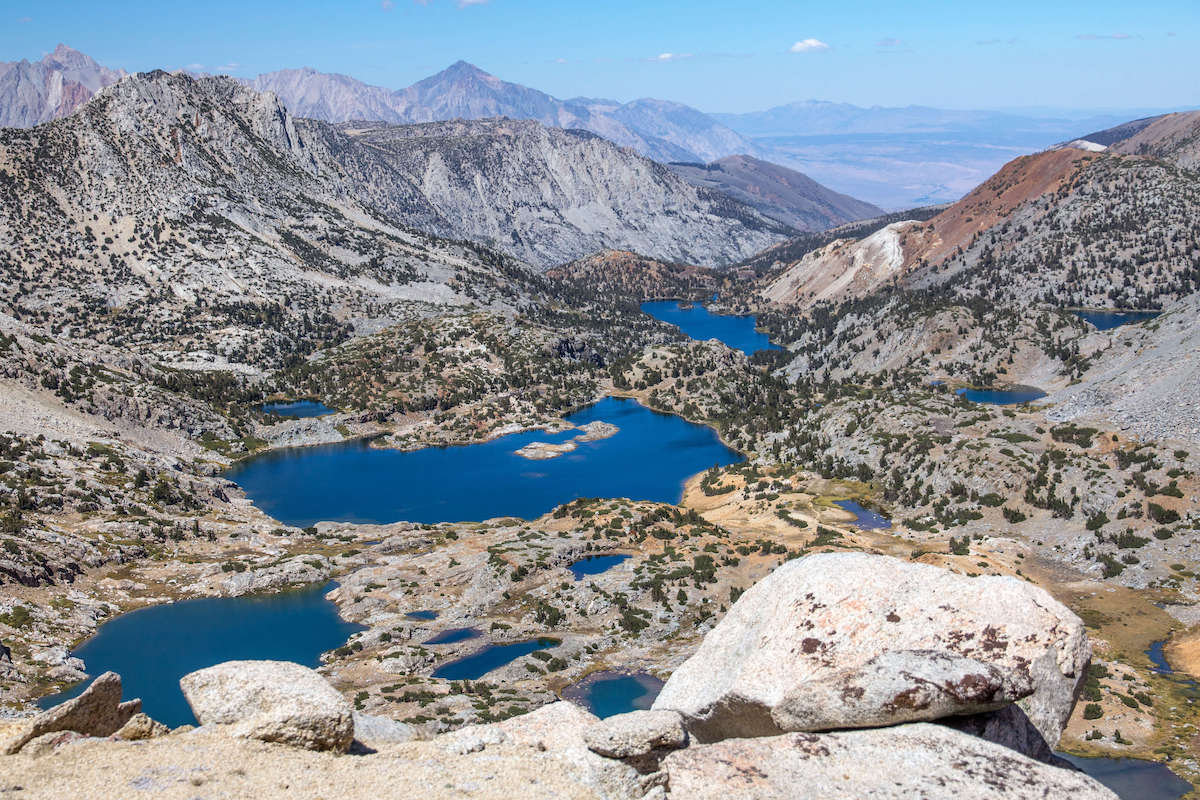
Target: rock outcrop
[
  {"x": 636, "y": 733},
  {"x": 899, "y": 686},
  {"x": 97, "y": 712},
  {"x": 823, "y": 624},
  {"x": 371, "y": 730},
  {"x": 919, "y": 760},
  {"x": 275, "y": 701}
]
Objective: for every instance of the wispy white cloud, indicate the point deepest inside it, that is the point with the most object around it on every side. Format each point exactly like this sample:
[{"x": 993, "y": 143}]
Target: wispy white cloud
[
  {"x": 808, "y": 46},
  {"x": 387, "y": 5},
  {"x": 560, "y": 61},
  {"x": 27, "y": 20},
  {"x": 1009, "y": 41},
  {"x": 465, "y": 3},
  {"x": 889, "y": 41},
  {"x": 1093, "y": 36},
  {"x": 663, "y": 57},
  {"x": 228, "y": 69}
]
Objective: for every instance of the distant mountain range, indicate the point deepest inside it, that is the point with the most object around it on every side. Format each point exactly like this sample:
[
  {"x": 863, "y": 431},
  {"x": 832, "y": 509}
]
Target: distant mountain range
[
  {"x": 658, "y": 129},
  {"x": 822, "y": 118},
  {"x": 894, "y": 157},
  {"x": 32, "y": 92}
]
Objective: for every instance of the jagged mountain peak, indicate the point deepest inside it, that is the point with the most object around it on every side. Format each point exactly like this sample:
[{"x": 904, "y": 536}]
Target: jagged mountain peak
[
  {"x": 461, "y": 67},
  {"x": 33, "y": 92}
]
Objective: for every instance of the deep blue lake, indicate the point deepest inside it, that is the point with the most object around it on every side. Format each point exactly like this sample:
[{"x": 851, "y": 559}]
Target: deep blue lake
[
  {"x": 1107, "y": 320},
  {"x": 152, "y": 648},
  {"x": 594, "y": 565},
  {"x": 865, "y": 518},
  {"x": 494, "y": 656},
  {"x": 298, "y": 408},
  {"x": 1003, "y": 397},
  {"x": 736, "y": 331},
  {"x": 648, "y": 459},
  {"x": 608, "y": 693}
]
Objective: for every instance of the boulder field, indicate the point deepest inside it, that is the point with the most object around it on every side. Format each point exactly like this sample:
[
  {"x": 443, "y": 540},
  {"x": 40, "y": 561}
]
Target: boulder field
[{"x": 837, "y": 676}]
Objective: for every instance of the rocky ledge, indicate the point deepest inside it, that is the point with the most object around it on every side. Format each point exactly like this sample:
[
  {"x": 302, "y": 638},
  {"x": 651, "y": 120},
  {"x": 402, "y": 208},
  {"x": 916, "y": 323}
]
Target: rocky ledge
[{"x": 837, "y": 676}]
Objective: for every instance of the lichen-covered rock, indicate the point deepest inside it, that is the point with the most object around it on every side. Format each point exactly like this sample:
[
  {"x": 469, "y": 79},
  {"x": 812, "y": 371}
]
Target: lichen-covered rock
[
  {"x": 274, "y": 701},
  {"x": 97, "y": 712},
  {"x": 905, "y": 761},
  {"x": 815, "y": 618},
  {"x": 900, "y": 686}
]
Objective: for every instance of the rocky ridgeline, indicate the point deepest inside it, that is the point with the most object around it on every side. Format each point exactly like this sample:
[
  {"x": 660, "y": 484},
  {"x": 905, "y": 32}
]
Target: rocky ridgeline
[{"x": 837, "y": 676}]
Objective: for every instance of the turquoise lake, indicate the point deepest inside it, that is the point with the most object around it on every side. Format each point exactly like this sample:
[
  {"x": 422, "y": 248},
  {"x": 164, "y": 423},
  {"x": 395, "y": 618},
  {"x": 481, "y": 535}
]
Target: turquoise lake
[
  {"x": 699, "y": 323},
  {"x": 606, "y": 694},
  {"x": 152, "y": 648},
  {"x": 650, "y": 458}
]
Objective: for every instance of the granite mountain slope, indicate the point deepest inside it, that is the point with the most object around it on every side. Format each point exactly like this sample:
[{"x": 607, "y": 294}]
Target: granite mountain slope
[
  {"x": 194, "y": 220},
  {"x": 778, "y": 192},
  {"x": 546, "y": 195}
]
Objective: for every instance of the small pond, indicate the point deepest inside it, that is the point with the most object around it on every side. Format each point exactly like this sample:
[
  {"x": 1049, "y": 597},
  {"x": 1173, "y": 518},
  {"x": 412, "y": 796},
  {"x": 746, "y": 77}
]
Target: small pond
[
  {"x": 452, "y": 635},
  {"x": 594, "y": 565},
  {"x": 608, "y": 693},
  {"x": 1132, "y": 778},
  {"x": 699, "y": 323},
  {"x": 649, "y": 458},
  {"x": 1003, "y": 397},
  {"x": 865, "y": 518},
  {"x": 153, "y": 647},
  {"x": 1107, "y": 320},
  {"x": 422, "y": 615},
  {"x": 494, "y": 656},
  {"x": 298, "y": 408}
]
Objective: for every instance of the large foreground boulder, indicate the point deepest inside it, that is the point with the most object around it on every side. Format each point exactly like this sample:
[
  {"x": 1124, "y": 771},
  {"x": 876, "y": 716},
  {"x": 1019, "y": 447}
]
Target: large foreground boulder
[
  {"x": 906, "y": 761},
  {"x": 274, "y": 701},
  {"x": 844, "y": 640},
  {"x": 97, "y": 712}
]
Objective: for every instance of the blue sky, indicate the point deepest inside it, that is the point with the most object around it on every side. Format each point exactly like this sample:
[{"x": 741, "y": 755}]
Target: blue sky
[{"x": 716, "y": 56}]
